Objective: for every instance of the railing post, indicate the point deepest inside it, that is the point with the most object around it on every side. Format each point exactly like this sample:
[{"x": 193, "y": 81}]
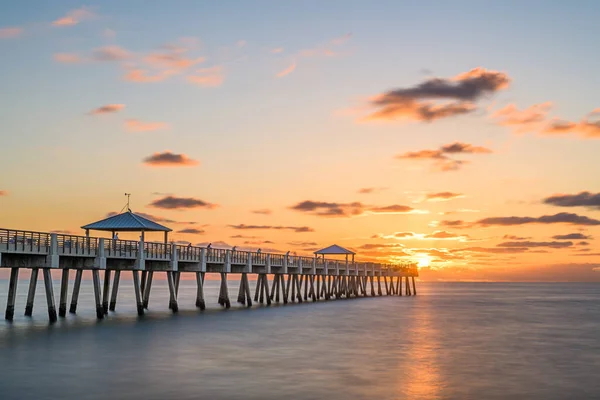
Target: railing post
[
  {"x": 249, "y": 262},
  {"x": 174, "y": 263},
  {"x": 140, "y": 262},
  {"x": 227, "y": 261},
  {"x": 52, "y": 258},
  {"x": 202, "y": 260},
  {"x": 267, "y": 264}
]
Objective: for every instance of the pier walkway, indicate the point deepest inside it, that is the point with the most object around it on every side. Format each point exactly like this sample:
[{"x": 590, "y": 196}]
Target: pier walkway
[{"x": 295, "y": 278}]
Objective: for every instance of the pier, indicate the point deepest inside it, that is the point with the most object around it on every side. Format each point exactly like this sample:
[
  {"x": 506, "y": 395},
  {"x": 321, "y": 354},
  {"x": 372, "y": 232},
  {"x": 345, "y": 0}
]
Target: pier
[{"x": 293, "y": 278}]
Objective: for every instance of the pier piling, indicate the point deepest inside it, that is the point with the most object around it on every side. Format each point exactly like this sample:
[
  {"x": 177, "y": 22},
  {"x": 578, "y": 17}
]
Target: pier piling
[
  {"x": 200, "y": 291},
  {"x": 172, "y": 292},
  {"x": 115, "y": 290},
  {"x": 146, "y": 291},
  {"x": 76, "y": 287},
  {"x": 12, "y": 293},
  {"x": 413, "y": 285},
  {"x": 138, "y": 293},
  {"x": 97, "y": 294},
  {"x": 106, "y": 291},
  {"x": 247, "y": 288},
  {"x": 31, "y": 292},
  {"x": 64, "y": 287},
  {"x": 49, "y": 295}
]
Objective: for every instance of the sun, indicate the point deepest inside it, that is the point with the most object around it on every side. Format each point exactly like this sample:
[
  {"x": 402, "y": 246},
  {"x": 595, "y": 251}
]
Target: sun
[{"x": 423, "y": 261}]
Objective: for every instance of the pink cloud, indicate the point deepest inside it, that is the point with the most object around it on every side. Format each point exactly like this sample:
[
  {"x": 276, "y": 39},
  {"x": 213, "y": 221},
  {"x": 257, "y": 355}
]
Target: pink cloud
[
  {"x": 135, "y": 125},
  {"x": 211, "y": 77},
  {"x": 74, "y": 17},
  {"x": 68, "y": 58},
  {"x": 287, "y": 71},
  {"x": 110, "y": 53},
  {"x": 10, "y": 32},
  {"x": 141, "y": 76},
  {"x": 107, "y": 109}
]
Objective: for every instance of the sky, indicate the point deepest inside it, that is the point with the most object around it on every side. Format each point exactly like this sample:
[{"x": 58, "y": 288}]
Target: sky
[{"x": 458, "y": 135}]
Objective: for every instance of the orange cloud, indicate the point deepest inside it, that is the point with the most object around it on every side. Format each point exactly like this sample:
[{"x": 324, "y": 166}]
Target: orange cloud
[
  {"x": 68, "y": 58},
  {"x": 442, "y": 196},
  {"x": 135, "y": 125},
  {"x": 74, "y": 17},
  {"x": 211, "y": 77},
  {"x": 10, "y": 32},
  {"x": 3, "y": 193},
  {"x": 442, "y": 162},
  {"x": 277, "y": 50},
  {"x": 140, "y": 76},
  {"x": 172, "y": 59},
  {"x": 168, "y": 159},
  {"x": 526, "y": 120},
  {"x": 110, "y": 53},
  {"x": 107, "y": 109},
  {"x": 287, "y": 71}
]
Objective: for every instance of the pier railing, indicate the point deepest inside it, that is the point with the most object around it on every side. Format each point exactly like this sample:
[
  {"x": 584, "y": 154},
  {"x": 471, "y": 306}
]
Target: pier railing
[{"x": 28, "y": 242}]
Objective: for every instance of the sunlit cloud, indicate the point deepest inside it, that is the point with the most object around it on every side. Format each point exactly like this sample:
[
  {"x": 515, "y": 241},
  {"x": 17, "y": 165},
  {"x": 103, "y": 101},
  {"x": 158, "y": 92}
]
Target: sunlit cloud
[
  {"x": 443, "y": 196},
  {"x": 572, "y": 236},
  {"x": 142, "y": 76},
  {"x": 528, "y": 244},
  {"x": 10, "y": 32},
  {"x": 180, "y": 203},
  {"x": 286, "y": 71},
  {"x": 135, "y": 125},
  {"x": 422, "y": 102},
  {"x": 172, "y": 59},
  {"x": 436, "y": 235},
  {"x": 277, "y": 50},
  {"x": 241, "y": 43},
  {"x": 210, "y": 77},
  {"x": 440, "y": 157},
  {"x": 370, "y": 190},
  {"x": 514, "y": 237},
  {"x": 74, "y": 17},
  {"x": 107, "y": 109},
  {"x": 262, "y": 211},
  {"x": 168, "y": 159},
  {"x": 192, "y": 231},
  {"x": 328, "y": 209},
  {"x": 297, "y": 229},
  {"x": 530, "y": 119},
  {"x": 302, "y": 244},
  {"x": 109, "y": 33},
  {"x": 110, "y": 53},
  {"x": 582, "y": 199},
  {"x": 3, "y": 193},
  {"x": 68, "y": 58},
  {"x": 560, "y": 218}
]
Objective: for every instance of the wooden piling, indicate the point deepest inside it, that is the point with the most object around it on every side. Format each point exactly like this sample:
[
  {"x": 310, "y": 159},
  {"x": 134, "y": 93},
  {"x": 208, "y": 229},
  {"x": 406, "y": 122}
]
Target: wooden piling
[
  {"x": 12, "y": 294},
  {"x": 372, "y": 285},
  {"x": 115, "y": 289},
  {"x": 379, "y": 285},
  {"x": 225, "y": 290},
  {"x": 299, "y": 294},
  {"x": 247, "y": 287},
  {"x": 143, "y": 283},
  {"x": 172, "y": 293},
  {"x": 106, "y": 290},
  {"x": 414, "y": 286},
  {"x": 76, "y": 287},
  {"x": 147, "y": 288},
  {"x": 408, "y": 293},
  {"x": 97, "y": 294},
  {"x": 305, "y": 279},
  {"x": 399, "y": 286},
  {"x": 200, "y": 291},
  {"x": 266, "y": 285},
  {"x": 387, "y": 288},
  {"x": 49, "y": 295},
  {"x": 64, "y": 287},
  {"x": 242, "y": 292},
  {"x": 261, "y": 297},
  {"x": 286, "y": 288},
  {"x": 293, "y": 296},
  {"x": 257, "y": 290},
  {"x": 31, "y": 293},
  {"x": 138, "y": 293},
  {"x": 273, "y": 286}
]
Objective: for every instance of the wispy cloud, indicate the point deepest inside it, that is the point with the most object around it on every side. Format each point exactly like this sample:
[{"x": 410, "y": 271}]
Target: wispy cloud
[
  {"x": 440, "y": 157},
  {"x": 74, "y": 17},
  {"x": 297, "y": 229},
  {"x": 572, "y": 236},
  {"x": 582, "y": 199},
  {"x": 328, "y": 209},
  {"x": 3, "y": 193},
  {"x": 286, "y": 71},
  {"x": 564, "y": 218},
  {"x": 10, "y": 32},
  {"x": 68, "y": 58},
  {"x": 139, "y": 75},
  {"x": 443, "y": 196},
  {"x": 438, "y": 97},
  {"x": 110, "y": 53},
  {"x": 210, "y": 77},
  {"x": 168, "y": 159},
  {"x": 135, "y": 125},
  {"x": 262, "y": 211},
  {"x": 192, "y": 231},
  {"x": 179, "y": 203},
  {"x": 528, "y": 244},
  {"x": 369, "y": 190},
  {"x": 107, "y": 109}
]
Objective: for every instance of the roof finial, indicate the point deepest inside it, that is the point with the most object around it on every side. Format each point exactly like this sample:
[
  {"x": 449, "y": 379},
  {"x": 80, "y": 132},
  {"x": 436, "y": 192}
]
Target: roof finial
[{"x": 128, "y": 195}]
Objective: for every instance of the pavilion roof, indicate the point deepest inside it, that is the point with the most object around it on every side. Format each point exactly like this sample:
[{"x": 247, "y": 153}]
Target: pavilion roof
[
  {"x": 334, "y": 249},
  {"x": 126, "y": 222}
]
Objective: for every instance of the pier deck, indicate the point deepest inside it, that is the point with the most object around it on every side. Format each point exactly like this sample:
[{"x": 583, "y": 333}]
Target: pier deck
[{"x": 309, "y": 278}]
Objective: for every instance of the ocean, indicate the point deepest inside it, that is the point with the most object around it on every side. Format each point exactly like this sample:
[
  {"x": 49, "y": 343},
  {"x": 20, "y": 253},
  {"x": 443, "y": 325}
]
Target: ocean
[{"x": 451, "y": 341}]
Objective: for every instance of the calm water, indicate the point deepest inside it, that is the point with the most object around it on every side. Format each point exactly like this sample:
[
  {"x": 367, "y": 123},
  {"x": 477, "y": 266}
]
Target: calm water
[{"x": 452, "y": 341}]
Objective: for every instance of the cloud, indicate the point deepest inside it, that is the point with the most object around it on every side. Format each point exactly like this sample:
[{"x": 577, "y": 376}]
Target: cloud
[
  {"x": 277, "y": 50},
  {"x": 192, "y": 231},
  {"x": 107, "y": 109},
  {"x": 139, "y": 75},
  {"x": 582, "y": 199},
  {"x": 3, "y": 193},
  {"x": 168, "y": 159},
  {"x": 176, "y": 203},
  {"x": 456, "y": 224},
  {"x": 369, "y": 190},
  {"x": 297, "y": 229},
  {"x": 109, "y": 33},
  {"x": 441, "y": 160},
  {"x": 110, "y": 53},
  {"x": 303, "y": 244},
  {"x": 494, "y": 250},
  {"x": 68, "y": 58},
  {"x": 10, "y": 32},
  {"x": 566, "y": 218},
  {"x": 326, "y": 209},
  {"x": 442, "y": 196},
  {"x": 436, "y": 235},
  {"x": 173, "y": 58},
  {"x": 74, "y": 17},
  {"x": 572, "y": 236},
  {"x": 341, "y": 39},
  {"x": 241, "y": 43},
  {"x": 553, "y": 245},
  {"x": 287, "y": 71},
  {"x": 244, "y": 237},
  {"x": 256, "y": 242},
  {"x": 513, "y": 237},
  {"x": 444, "y": 235},
  {"x": 135, "y": 125},
  {"x": 530, "y": 119},
  {"x": 421, "y": 102},
  {"x": 210, "y": 77},
  {"x": 263, "y": 211}
]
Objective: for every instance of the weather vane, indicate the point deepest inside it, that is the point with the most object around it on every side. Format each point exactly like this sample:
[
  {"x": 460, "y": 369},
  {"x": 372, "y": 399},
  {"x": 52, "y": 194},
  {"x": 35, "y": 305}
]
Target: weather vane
[{"x": 128, "y": 196}]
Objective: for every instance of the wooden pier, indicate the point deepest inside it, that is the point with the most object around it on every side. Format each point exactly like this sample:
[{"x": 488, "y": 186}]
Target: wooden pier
[{"x": 294, "y": 278}]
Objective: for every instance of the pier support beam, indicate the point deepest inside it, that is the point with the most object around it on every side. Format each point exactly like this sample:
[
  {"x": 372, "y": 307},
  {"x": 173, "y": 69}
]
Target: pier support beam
[
  {"x": 387, "y": 288},
  {"x": 266, "y": 286},
  {"x": 379, "y": 285},
  {"x": 372, "y": 285},
  {"x": 138, "y": 292},
  {"x": 115, "y": 290},
  {"x": 143, "y": 282},
  {"x": 200, "y": 291},
  {"x": 414, "y": 286},
  {"x": 12, "y": 294},
  {"x": 106, "y": 291},
  {"x": 247, "y": 289},
  {"x": 49, "y": 295},
  {"x": 64, "y": 287},
  {"x": 286, "y": 287},
  {"x": 146, "y": 291},
  {"x": 408, "y": 293},
  {"x": 31, "y": 293},
  {"x": 76, "y": 287},
  {"x": 97, "y": 294},
  {"x": 172, "y": 292},
  {"x": 224, "y": 292}
]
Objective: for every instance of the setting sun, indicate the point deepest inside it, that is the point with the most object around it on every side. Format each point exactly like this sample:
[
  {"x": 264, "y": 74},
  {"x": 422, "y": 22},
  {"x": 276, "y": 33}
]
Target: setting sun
[{"x": 424, "y": 261}]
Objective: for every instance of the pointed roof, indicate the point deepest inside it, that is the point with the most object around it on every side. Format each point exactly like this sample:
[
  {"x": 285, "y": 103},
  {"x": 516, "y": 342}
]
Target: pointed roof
[
  {"x": 334, "y": 249},
  {"x": 127, "y": 221}
]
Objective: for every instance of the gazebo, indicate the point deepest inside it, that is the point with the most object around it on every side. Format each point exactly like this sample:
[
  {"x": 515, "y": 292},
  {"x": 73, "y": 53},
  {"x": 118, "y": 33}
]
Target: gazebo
[
  {"x": 335, "y": 249},
  {"x": 127, "y": 222}
]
